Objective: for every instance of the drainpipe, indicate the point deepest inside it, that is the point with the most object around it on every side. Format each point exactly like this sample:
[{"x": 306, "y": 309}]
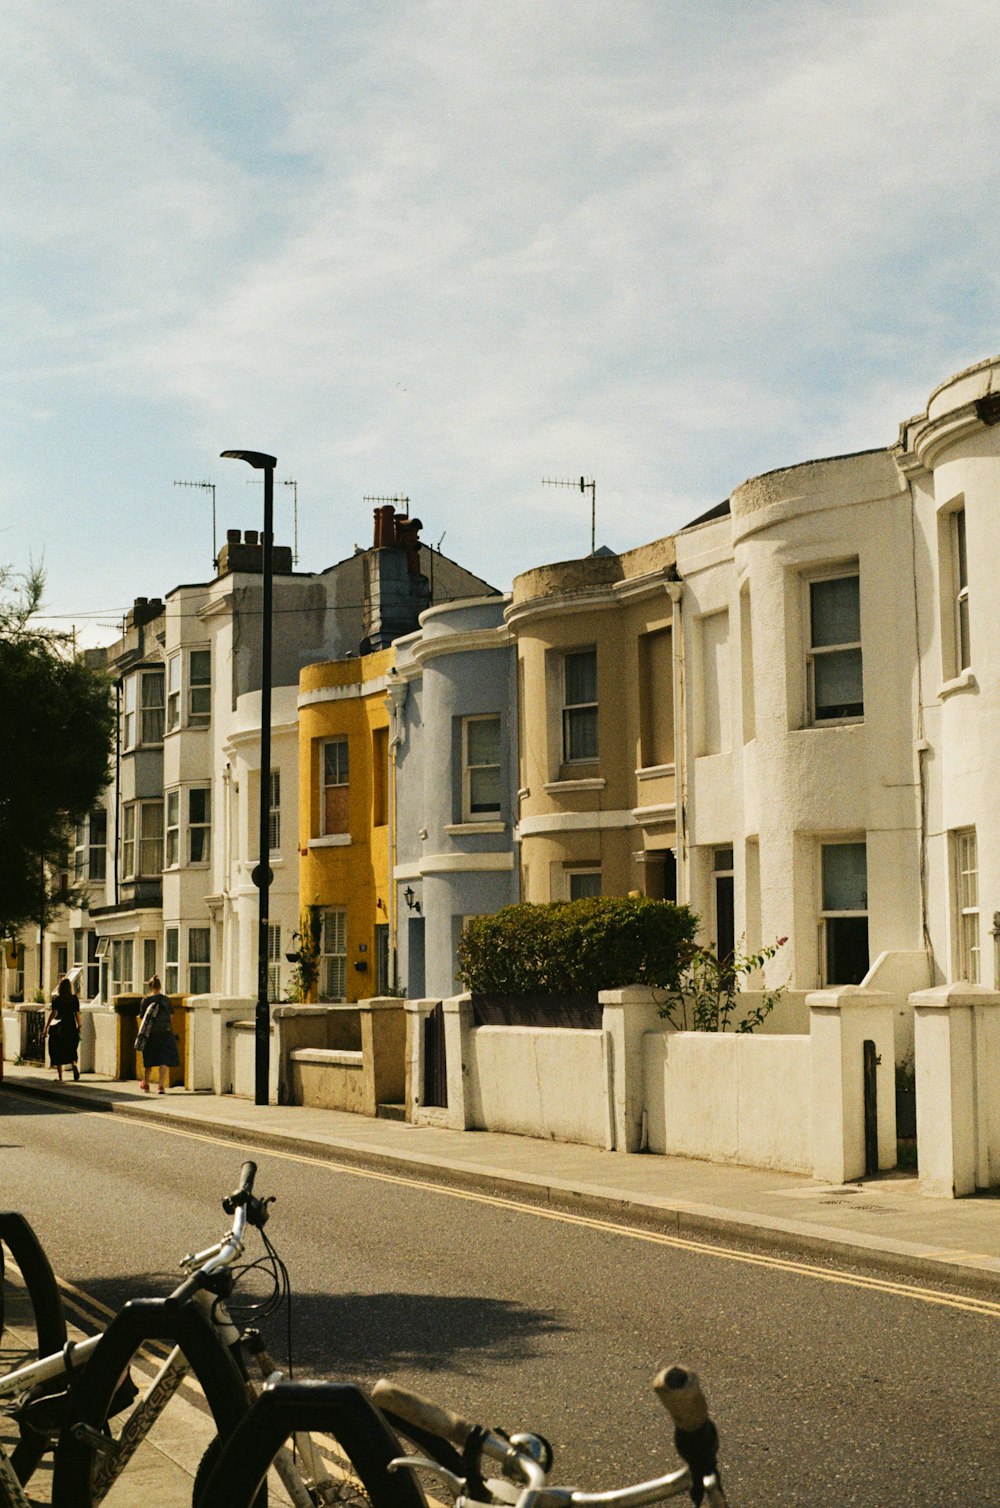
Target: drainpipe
[
  {"x": 675, "y": 590},
  {"x": 395, "y": 695},
  {"x": 118, "y": 783}
]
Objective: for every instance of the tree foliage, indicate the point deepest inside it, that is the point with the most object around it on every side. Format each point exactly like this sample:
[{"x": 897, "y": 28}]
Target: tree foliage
[
  {"x": 56, "y": 724},
  {"x": 707, "y": 996},
  {"x": 567, "y": 947}
]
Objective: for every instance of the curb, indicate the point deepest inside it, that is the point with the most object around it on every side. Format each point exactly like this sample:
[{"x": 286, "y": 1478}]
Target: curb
[{"x": 676, "y": 1219}]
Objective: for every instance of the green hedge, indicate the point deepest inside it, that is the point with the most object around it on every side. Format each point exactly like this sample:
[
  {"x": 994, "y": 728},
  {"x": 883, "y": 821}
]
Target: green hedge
[{"x": 572, "y": 946}]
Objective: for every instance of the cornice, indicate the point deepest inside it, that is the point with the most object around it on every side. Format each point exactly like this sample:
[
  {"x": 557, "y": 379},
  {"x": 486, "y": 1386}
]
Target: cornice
[
  {"x": 351, "y": 692},
  {"x": 586, "y": 600},
  {"x": 461, "y": 643}
]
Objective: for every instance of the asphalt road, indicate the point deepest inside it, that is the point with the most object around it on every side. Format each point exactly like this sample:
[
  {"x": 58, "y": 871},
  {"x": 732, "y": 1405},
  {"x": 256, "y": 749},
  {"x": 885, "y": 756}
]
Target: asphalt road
[{"x": 830, "y": 1386}]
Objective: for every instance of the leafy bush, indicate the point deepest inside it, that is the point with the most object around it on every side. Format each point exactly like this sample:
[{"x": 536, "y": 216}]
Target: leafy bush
[
  {"x": 705, "y": 997},
  {"x": 567, "y": 947}
]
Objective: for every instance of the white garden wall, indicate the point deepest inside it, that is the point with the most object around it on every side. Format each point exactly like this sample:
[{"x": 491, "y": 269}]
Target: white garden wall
[
  {"x": 546, "y": 1081},
  {"x": 727, "y": 1098}
]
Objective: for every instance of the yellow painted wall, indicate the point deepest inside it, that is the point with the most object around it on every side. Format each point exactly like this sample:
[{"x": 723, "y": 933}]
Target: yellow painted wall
[{"x": 354, "y": 876}]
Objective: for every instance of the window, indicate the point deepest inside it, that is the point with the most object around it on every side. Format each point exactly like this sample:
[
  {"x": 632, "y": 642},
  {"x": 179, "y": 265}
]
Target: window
[
  {"x": 172, "y": 849},
  {"x": 580, "y": 706},
  {"x": 150, "y": 837},
  {"x": 199, "y": 824},
  {"x": 199, "y": 960},
  {"x": 480, "y": 769},
  {"x": 656, "y": 699},
  {"x": 714, "y": 702},
  {"x": 967, "y": 906},
  {"x": 173, "y": 692},
  {"x": 333, "y": 955},
  {"x": 380, "y": 777},
  {"x": 844, "y": 914},
  {"x": 171, "y": 956},
  {"x": 274, "y": 812},
  {"x": 122, "y": 955},
  {"x": 98, "y": 854},
  {"x": 80, "y": 852},
  {"x": 334, "y": 776},
  {"x": 583, "y": 884},
  {"x": 148, "y": 957},
  {"x": 834, "y": 658},
  {"x": 128, "y": 713},
  {"x": 960, "y": 578},
  {"x": 128, "y": 842},
  {"x": 722, "y": 900},
  {"x": 199, "y": 686},
  {"x": 85, "y": 958},
  {"x": 151, "y": 719},
  {"x": 273, "y": 961}
]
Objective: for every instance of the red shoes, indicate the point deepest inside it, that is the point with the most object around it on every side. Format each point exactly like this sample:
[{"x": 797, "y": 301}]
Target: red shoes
[{"x": 144, "y": 1086}]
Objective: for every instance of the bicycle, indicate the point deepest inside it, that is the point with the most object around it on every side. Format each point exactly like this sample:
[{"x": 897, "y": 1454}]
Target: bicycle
[
  {"x": 458, "y": 1452},
  {"x": 455, "y": 1450},
  {"x": 100, "y": 1418}
]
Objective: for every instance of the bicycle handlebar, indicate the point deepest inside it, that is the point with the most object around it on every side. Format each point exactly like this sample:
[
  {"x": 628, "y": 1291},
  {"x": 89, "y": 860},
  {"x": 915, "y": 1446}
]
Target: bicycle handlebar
[
  {"x": 423, "y": 1414},
  {"x": 680, "y": 1393}
]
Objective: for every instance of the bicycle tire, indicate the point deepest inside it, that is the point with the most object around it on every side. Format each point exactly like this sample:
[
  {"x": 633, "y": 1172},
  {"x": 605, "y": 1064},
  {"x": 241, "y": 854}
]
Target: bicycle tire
[
  {"x": 141, "y": 1320},
  {"x": 37, "y": 1312},
  {"x": 337, "y": 1410}
]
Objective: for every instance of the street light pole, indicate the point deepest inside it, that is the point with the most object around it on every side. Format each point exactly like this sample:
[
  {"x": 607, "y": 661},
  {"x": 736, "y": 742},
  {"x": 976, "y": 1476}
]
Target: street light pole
[{"x": 262, "y": 874}]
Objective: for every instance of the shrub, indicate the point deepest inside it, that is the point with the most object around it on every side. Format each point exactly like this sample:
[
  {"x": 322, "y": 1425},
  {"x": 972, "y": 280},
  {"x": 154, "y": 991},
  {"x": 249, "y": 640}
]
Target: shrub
[
  {"x": 705, "y": 998},
  {"x": 567, "y": 947}
]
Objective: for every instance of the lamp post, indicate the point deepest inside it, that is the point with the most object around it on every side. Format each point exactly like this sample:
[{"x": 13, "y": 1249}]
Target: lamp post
[{"x": 262, "y": 874}]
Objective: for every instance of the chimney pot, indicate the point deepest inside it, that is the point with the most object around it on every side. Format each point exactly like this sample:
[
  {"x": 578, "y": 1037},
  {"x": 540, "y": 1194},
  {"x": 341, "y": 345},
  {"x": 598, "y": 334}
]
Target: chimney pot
[
  {"x": 233, "y": 536},
  {"x": 251, "y": 536}
]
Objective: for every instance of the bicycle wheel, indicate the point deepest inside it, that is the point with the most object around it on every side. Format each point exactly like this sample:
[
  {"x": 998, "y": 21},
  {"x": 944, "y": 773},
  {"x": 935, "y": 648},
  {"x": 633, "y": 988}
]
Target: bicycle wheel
[
  {"x": 354, "y": 1444},
  {"x": 95, "y": 1444},
  {"x": 32, "y": 1324}
]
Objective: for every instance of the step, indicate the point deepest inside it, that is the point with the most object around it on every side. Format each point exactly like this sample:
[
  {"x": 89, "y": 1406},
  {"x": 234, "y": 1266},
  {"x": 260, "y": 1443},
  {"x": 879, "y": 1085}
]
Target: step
[{"x": 391, "y": 1113}]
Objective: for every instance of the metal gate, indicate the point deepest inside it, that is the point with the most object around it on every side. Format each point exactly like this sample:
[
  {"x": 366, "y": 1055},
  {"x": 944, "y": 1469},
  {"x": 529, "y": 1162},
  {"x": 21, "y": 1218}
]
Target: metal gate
[
  {"x": 435, "y": 1064},
  {"x": 34, "y": 1037}
]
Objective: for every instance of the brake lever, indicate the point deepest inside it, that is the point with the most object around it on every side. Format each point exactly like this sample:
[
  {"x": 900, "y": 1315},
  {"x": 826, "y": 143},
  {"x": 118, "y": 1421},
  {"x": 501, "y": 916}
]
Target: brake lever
[{"x": 457, "y": 1485}]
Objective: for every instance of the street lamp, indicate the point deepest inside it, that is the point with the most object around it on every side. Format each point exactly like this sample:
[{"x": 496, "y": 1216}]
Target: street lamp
[{"x": 262, "y": 874}]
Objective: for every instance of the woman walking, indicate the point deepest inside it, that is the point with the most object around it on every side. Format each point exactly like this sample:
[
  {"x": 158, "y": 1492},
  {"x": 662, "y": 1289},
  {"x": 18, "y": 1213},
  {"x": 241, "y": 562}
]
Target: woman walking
[
  {"x": 63, "y": 1029},
  {"x": 156, "y": 1040}
]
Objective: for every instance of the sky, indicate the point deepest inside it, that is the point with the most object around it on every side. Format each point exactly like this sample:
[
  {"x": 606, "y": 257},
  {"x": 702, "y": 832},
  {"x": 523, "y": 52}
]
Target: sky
[{"x": 444, "y": 249}]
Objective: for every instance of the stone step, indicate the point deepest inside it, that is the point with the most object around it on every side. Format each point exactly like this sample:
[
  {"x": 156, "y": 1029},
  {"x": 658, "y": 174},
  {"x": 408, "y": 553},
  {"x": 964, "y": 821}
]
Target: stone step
[{"x": 391, "y": 1113}]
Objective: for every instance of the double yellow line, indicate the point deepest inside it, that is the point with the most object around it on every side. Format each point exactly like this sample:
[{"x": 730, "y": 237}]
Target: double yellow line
[{"x": 982, "y": 1306}]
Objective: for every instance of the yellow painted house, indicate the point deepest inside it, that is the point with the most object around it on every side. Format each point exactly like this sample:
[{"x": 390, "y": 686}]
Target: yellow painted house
[{"x": 344, "y": 824}]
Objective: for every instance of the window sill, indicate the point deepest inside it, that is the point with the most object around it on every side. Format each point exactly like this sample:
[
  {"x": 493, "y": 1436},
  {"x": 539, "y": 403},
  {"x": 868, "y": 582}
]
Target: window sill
[
  {"x": 567, "y": 787},
  {"x": 463, "y": 829},
  {"x": 964, "y": 682},
  {"x": 833, "y": 722},
  {"x": 655, "y": 771},
  {"x": 331, "y": 840}
]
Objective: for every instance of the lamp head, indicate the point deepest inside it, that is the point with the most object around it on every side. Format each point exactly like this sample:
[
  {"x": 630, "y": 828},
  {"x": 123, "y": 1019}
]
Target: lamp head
[{"x": 255, "y": 458}]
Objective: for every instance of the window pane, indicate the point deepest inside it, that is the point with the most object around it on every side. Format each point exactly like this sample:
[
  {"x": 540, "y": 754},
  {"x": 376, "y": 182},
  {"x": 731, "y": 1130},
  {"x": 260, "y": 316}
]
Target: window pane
[
  {"x": 199, "y": 943},
  {"x": 846, "y": 949},
  {"x": 335, "y": 770},
  {"x": 581, "y": 732},
  {"x": 845, "y": 877},
  {"x": 199, "y": 804},
  {"x": 838, "y": 684},
  {"x": 584, "y": 885},
  {"x": 484, "y": 790},
  {"x": 483, "y": 740},
  {"x": 836, "y": 611},
  {"x": 581, "y": 677},
  {"x": 200, "y": 667}
]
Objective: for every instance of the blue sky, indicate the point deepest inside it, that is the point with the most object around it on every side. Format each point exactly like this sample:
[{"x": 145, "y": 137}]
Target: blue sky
[{"x": 450, "y": 247}]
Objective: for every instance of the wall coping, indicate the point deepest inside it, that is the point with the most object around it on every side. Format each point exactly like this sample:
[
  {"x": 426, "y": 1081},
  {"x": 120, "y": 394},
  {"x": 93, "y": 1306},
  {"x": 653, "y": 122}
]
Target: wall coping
[
  {"x": 329, "y": 1057},
  {"x": 959, "y": 994},
  {"x": 844, "y": 997}
]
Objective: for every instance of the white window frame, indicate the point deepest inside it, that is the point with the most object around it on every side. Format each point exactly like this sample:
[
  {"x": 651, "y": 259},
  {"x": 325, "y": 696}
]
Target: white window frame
[
  {"x": 173, "y": 693},
  {"x": 473, "y": 811},
  {"x": 151, "y": 711},
  {"x": 97, "y": 851},
  {"x": 128, "y": 844},
  {"x": 199, "y": 970},
  {"x": 826, "y": 915},
  {"x": 150, "y": 838},
  {"x": 80, "y": 848},
  {"x": 122, "y": 965},
  {"x": 202, "y": 828},
  {"x": 965, "y": 881},
  {"x": 960, "y": 590},
  {"x": 171, "y": 960},
  {"x": 274, "y": 961},
  {"x": 584, "y": 873},
  {"x": 847, "y": 572},
  {"x": 342, "y": 782},
  {"x": 572, "y": 711},
  {"x": 333, "y": 953},
  {"x": 172, "y": 829},
  {"x": 274, "y": 812},
  {"x": 199, "y": 690},
  {"x": 130, "y": 696}
]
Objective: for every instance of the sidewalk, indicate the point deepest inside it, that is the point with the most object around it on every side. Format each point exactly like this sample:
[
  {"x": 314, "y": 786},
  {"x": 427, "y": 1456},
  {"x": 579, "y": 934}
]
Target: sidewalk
[{"x": 883, "y": 1221}]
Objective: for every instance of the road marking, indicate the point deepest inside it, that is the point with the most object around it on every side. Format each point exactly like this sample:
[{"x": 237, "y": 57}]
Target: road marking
[{"x": 988, "y": 1308}]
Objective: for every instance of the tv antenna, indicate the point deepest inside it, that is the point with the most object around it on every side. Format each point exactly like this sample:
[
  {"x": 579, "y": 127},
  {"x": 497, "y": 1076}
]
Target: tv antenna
[
  {"x": 398, "y": 501},
  {"x": 585, "y": 486},
  {"x": 258, "y": 481},
  {"x": 206, "y": 487}
]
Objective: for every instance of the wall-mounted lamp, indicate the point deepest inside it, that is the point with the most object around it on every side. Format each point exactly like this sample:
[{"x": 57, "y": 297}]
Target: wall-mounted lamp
[{"x": 412, "y": 904}]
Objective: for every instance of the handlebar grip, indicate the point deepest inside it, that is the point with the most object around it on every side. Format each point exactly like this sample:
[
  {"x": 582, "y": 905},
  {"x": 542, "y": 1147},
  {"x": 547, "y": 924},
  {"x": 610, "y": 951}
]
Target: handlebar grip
[
  {"x": 680, "y": 1393},
  {"x": 248, "y": 1172},
  {"x": 420, "y": 1412}
]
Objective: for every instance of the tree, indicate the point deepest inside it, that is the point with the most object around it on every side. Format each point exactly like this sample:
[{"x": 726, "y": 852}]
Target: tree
[{"x": 56, "y": 723}]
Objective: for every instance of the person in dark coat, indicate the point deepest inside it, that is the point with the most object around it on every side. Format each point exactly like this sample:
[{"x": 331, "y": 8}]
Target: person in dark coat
[
  {"x": 159, "y": 1049},
  {"x": 63, "y": 1029}
]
